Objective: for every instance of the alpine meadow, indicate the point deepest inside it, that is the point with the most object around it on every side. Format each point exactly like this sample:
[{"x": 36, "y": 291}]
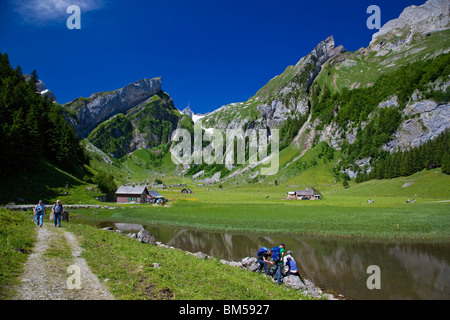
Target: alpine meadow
[{"x": 357, "y": 142}]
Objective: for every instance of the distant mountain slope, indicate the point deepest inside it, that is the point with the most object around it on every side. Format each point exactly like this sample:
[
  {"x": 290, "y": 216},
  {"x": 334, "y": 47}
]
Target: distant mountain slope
[
  {"x": 281, "y": 97},
  {"x": 139, "y": 115},
  {"x": 42, "y": 88},
  {"x": 88, "y": 113},
  {"x": 386, "y": 98}
]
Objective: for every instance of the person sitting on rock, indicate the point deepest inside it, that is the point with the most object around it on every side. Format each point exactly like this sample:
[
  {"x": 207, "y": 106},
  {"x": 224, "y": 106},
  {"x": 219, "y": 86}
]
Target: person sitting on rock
[{"x": 292, "y": 265}]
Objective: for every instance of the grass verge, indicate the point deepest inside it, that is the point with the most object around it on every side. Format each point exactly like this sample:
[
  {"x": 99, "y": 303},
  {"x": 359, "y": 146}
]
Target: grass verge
[
  {"x": 127, "y": 268},
  {"x": 17, "y": 235}
]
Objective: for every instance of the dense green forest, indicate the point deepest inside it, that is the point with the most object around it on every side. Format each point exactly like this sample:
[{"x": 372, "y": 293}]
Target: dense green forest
[
  {"x": 432, "y": 154},
  {"x": 31, "y": 127},
  {"x": 154, "y": 121},
  {"x": 290, "y": 129},
  {"x": 356, "y": 105},
  {"x": 113, "y": 136},
  {"x": 359, "y": 107}
]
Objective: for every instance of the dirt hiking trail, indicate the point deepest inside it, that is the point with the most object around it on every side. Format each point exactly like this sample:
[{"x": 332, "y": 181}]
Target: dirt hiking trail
[{"x": 46, "y": 273}]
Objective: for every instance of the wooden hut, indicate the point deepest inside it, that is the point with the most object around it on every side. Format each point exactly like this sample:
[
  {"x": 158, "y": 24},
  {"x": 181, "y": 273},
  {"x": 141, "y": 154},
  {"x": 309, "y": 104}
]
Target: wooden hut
[{"x": 132, "y": 194}]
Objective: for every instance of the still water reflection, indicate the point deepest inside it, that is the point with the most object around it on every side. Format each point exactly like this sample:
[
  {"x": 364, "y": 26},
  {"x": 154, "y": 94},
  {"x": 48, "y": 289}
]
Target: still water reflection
[{"x": 408, "y": 270}]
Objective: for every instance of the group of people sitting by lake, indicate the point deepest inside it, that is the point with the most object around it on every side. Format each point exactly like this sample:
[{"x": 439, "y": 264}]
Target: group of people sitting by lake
[
  {"x": 281, "y": 265},
  {"x": 40, "y": 210}
]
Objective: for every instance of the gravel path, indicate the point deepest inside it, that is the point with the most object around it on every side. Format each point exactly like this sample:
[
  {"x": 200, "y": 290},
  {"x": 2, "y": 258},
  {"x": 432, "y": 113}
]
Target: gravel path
[{"x": 46, "y": 271}]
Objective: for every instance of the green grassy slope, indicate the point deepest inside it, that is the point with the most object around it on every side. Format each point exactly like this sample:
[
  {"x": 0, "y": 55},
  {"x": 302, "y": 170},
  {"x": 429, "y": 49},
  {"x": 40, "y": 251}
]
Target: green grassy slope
[
  {"x": 430, "y": 184},
  {"x": 360, "y": 70},
  {"x": 132, "y": 276},
  {"x": 17, "y": 235},
  {"x": 47, "y": 183}
]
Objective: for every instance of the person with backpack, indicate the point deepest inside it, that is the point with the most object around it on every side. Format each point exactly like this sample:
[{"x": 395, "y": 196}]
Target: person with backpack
[
  {"x": 39, "y": 212},
  {"x": 57, "y": 213},
  {"x": 277, "y": 257},
  {"x": 263, "y": 254}
]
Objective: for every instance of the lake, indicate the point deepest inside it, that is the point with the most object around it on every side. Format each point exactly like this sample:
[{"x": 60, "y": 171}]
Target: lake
[{"x": 408, "y": 270}]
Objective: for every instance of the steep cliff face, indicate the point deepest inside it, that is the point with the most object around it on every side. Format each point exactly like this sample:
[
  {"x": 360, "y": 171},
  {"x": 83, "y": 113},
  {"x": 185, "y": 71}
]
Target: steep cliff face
[
  {"x": 281, "y": 97},
  {"x": 310, "y": 89},
  {"x": 420, "y": 33},
  {"x": 149, "y": 124},
  {"x": 140, "y": 115},
  {"x": 88, "y": 113},
  {"x": 424, "y": 121},
  {"x": 431, "y": 17},
  {"x": 301, "y": 101}
]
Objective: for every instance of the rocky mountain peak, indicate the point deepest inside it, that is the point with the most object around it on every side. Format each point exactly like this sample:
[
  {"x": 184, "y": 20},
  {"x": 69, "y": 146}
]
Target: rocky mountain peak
[
  {"x": 428, "y": 18},
  {"x": 326, "y": 50},
  {"x": 42, "y": 88},
  {"x": 187, "y": 111},
  {"x": 89, "y": 112}
]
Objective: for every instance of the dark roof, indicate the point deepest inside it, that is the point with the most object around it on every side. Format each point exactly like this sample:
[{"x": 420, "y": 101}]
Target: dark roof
[
  {"x": 155, "y": 194},
  {"x": 131, "y": 190},
  {"x": 304, "y": 192}
]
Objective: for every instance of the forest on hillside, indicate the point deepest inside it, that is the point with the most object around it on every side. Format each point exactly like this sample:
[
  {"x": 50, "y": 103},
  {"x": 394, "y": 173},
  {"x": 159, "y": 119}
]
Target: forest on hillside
[
  {"x": 359, "y": 108},
  {"x": 32, "y": 128}
]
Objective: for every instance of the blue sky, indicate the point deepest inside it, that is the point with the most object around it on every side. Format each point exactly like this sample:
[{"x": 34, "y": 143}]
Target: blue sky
[{"x": 209, "y": 53}]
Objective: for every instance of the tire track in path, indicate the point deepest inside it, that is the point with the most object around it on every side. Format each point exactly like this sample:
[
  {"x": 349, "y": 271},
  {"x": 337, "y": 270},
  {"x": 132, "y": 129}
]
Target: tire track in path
[{"x": 45, "y": 272}]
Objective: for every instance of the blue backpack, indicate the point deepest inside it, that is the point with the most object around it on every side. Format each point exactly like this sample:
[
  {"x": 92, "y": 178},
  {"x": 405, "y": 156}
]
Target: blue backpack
[
  {"x": 276, "y": 254},
  {"x": 57, "y": 208},
  {"x": 261, "y": 251}
]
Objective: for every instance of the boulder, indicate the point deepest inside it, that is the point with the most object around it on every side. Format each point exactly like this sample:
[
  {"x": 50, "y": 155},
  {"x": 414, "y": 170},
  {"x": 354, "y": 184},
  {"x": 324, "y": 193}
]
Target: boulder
[
  {"x": 145, "y": 237},
  {"x": 312, "y": 290},
  {"x": 231, "y": 263},
  {"x": 250, "y": 264},
  {"x": 201, "y": 255},
  {"x": 294, "y": 282},
  {"x": 128, "y": 226}
]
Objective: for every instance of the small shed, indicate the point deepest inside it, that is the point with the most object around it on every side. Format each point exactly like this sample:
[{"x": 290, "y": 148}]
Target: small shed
[
  {"x": 185, "y": 190},
  {"x": 291, "y": 195},
  {"x": 153, "y": 196},
  {"x": 132, "y": 194}
]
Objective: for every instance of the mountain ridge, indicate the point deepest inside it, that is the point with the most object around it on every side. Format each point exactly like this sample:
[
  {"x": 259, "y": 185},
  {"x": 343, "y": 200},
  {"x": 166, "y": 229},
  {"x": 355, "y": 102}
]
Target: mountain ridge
[
  {"x": 87, "y": 113},
  {"x": 301, "y": 102}
]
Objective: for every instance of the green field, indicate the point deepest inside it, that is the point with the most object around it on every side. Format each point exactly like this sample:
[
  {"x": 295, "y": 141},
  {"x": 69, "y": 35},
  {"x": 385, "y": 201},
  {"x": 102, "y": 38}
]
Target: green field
[{"x": 342, "y": 213}]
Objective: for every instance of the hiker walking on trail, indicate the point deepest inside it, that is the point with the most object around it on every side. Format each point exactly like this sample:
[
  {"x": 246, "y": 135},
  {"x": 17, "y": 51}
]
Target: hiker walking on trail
[
  {"x": 57, "y": 212},
  {"x": 39, "y": 212},
  {"x": 263, "y": 254}
]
